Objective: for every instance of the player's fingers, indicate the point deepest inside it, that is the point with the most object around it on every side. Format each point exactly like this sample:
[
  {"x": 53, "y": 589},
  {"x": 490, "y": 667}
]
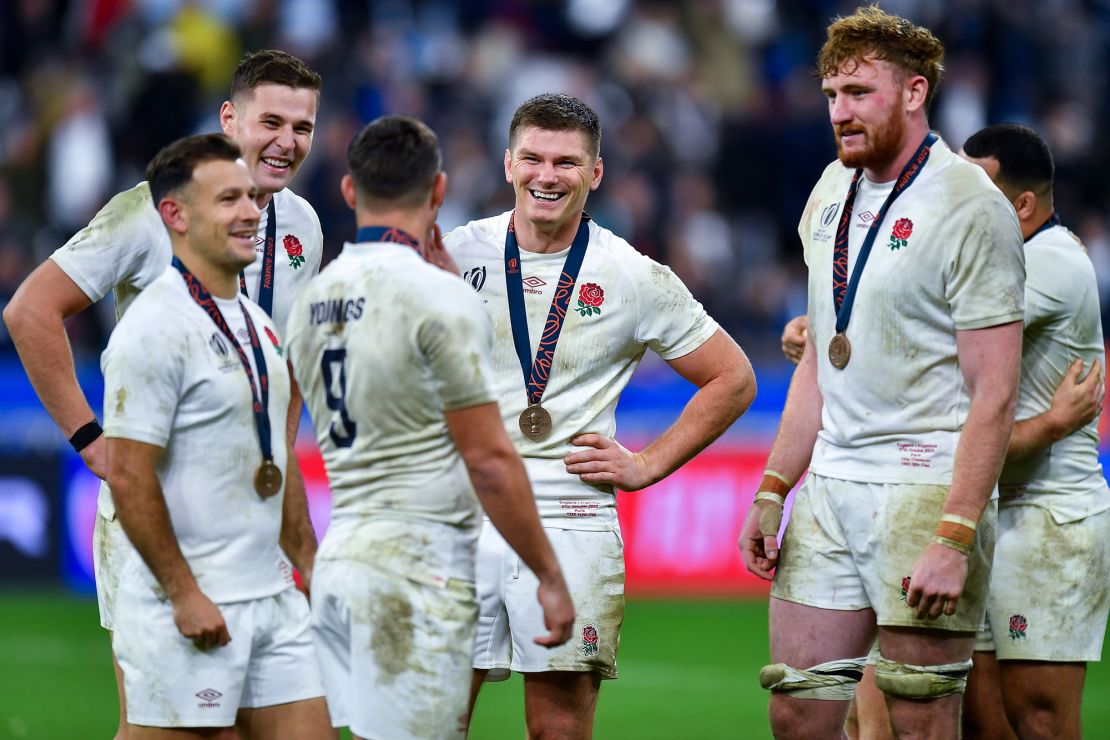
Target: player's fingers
[
  {"x": 771, "y": 546},
  {"x": 603, "y": 477},
  {"x": 913, "y": 595},
  {"x": 589, "y": 454},
  {"x": 592, "y": 440},
  {"x": 1074, "y": 370},
  {"x": 597, "y": 465},
  {"x": 950, "y": 606}
]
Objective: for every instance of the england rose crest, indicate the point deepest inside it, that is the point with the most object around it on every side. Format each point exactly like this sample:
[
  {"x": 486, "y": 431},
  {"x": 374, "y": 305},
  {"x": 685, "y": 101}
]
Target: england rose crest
[
  {"x": 273, "y": 339},
  {"x": 1018, "y": 625},
  {"x": 900, "y": 234},
  {"x": 905, "y": 587},
  {"x": 589, "y": 646},
  {"x": 590, "y": 298},
  {"x": 293, "y": 249}
]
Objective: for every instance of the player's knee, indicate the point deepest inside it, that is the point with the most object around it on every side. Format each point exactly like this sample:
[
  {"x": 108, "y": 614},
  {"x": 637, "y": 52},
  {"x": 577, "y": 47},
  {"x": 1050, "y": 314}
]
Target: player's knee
[
  {"x": 835, "y": 680},
  {"x": 907, "y": 681},
  {"x": 1042, "y": 714}
]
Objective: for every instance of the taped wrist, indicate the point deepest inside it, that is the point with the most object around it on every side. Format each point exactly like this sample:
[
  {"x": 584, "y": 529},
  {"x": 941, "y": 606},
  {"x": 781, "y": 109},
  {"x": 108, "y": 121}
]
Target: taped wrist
[
  {"x": 907, "y": 681},
  {"x": 832, "y": 681},
  {"x": 956, "y": 532}
]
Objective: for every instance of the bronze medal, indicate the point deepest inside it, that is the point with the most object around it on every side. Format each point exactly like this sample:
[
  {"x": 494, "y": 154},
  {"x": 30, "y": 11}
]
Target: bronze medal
[
  {"x": 840, "y": 351},
  {"x": 535, "y": 422},
  {"x": 267, "y": 479}
]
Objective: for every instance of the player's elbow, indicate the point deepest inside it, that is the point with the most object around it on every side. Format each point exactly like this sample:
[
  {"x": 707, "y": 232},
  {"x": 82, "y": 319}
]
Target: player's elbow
[
  {"x": 495, "y": 471},
  {"x": 15, "y": 316},
  {"x": 738, "y": 387}
]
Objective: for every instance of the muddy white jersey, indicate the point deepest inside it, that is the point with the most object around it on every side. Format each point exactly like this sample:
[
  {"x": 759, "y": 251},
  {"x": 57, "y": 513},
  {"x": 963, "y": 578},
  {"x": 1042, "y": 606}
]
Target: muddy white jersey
[
  {"x": 173, "y": 380},
  {"x": 126, "y": 247},
  {"x": 623, "y": 304},
  {"x": 1062, "y": 322},
  {"x": 947, "y": 257},
  {"x": 382, "y": 344}
]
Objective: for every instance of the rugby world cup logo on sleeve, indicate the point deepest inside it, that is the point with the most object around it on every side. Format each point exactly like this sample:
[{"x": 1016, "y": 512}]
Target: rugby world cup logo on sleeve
[
  {"x": 590, "y": 298},
  {"x": 900, "y": 234},
  {"x": 1018, "y": 625},
  {"x": 590, "y": 641},
  {"x": 294, "y": 249}
]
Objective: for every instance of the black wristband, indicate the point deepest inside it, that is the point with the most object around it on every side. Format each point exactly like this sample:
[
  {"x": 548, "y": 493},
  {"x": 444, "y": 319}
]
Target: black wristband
[{"x": 86, "y": 435}]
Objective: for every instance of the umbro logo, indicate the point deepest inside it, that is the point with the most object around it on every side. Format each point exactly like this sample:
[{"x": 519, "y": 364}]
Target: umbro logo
[
  {"x": 208, "y": 698},
  {"x": 867, "y": 217},
  {"x": 532, "y": 284}
]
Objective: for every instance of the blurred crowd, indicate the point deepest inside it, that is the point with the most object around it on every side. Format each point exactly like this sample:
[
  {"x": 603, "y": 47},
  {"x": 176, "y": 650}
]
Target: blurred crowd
[{"x": 714, "y": 125}]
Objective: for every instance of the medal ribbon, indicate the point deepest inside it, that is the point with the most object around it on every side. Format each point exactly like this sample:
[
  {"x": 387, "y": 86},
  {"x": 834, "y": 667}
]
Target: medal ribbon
[
  {"x": 536, "y": 371},
  {"x": 266, "y": 276},
  {"x": 261, "y": 407},
  {"x": 1053, "y": 220},
  {"x": 844, "y": 291},
  {"x": 386, "y": 234}
]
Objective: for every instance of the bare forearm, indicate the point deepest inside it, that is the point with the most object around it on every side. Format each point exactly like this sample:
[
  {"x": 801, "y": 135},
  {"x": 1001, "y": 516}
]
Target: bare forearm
[
  {"x": 40, "y": 338},
  {"x": 1034, "y": 435},
  {"x": 712, "y": 410},
  {"x": 980, "y": 454},
  {"x": 146, "y": 521},
  {"x": 801, "y": 421},
  {"x": 297, "y": 537},
  {"x": 502, "y": 486}
]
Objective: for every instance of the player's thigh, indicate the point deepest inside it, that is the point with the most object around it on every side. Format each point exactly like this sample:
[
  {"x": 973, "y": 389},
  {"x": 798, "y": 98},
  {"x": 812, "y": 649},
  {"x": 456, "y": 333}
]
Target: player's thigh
[
  {"x": 593, "y": 567},
  {"x": 283, "y": 668},
  {"x": 496, "y": 565},
  {"x": 110, "y": 550},
  {"x": 817, "y": 565},
  {"x": 904, "y": 520},
  {"x": 561, "y": 704},
  {"x": 395, "y": 654},
  {"x": 1051, "y": 606},
  {"x": 1044, "y": 694},
  {"x": 169, "y": 682},
  {"x": 165, "y": 733},
  {"x": 306, "y": 719},
  {"x": 940, "y": 650}
]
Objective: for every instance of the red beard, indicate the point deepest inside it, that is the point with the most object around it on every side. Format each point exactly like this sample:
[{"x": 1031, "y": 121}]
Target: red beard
[{"x": 883, "y": 143}]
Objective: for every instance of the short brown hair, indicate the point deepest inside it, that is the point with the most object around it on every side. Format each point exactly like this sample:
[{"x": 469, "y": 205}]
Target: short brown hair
[
  {"x": 274, "y": 67},
  {"x": 172, "y": 167},
  {"x": 870, "y": 33},
  {"x": 394, "y": 161},
  {"x": 558, "y": 112}
]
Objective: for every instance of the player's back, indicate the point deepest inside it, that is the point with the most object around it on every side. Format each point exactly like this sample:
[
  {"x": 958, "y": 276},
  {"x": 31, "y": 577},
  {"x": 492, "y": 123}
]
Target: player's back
[{"x": 382, "y": 344}]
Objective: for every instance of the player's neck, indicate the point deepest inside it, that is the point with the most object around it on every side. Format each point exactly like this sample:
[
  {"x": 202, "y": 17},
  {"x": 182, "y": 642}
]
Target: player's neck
[
  {"x": 412, "y": 223},
  {"x": 216, "y": 279},
  {"x": 262, "y": 200},
  {"x": 545, "y": 238},
  {"x": 911, "y": 139}
]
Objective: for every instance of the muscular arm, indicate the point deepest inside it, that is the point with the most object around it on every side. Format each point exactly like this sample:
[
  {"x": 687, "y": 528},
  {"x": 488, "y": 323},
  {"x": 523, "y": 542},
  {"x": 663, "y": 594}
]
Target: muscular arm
[
  {"x": 35, "y": 319},
  {"x": 297, "y": 538},
  {"x": 499, "y": 479},
  {"x": 146, "y": 521},
  {"x": 1074, "y": 404},
  {"x": 726, "y": 387}
]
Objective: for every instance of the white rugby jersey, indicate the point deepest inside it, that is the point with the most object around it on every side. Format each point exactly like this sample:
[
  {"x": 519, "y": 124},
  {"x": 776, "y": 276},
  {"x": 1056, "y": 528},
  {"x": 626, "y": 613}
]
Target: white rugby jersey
[
  {"x": 172, "y": 379},
  {"x": 1062, "y": 322},
  {"x": 947, "y": 257},
  {"x": 382, "y": 344},
  {"x": 126, "y": 247},
  {"x": 637, "y": 303}
]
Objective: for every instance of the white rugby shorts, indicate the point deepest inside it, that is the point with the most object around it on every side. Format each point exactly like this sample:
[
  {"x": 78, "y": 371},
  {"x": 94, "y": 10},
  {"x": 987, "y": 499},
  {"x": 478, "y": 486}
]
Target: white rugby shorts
[
  {"x": 1050, "y": 587},
  {"x": 110, "y": 550},
  {"x": 394, "y": 653},
  {"x": 852, "y": 545},
  {"x": 511, "y": 618},
  {"x": 169, "y": 682}
]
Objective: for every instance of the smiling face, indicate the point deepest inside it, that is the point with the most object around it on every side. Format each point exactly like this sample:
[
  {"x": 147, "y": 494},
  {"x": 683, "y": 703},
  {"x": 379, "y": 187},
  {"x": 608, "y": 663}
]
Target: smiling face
[
  {"x": 273, "y": 125},
  {"x": 867, "y": 109},
  {"x": 221, "y": 216},
  {"x": 552, "y": 172}
]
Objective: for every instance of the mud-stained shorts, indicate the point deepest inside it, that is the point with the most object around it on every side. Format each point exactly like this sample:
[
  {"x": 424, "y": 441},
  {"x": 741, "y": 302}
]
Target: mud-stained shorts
[
  {"x": 394, "y": 653},
  {"x": 852, "y": 545},
  {"x": 511, "y": 617},
  {"x": 1050, "y": 587},
  {"x": 110, "y": 550},
  {"x": 170, "y": 682}
]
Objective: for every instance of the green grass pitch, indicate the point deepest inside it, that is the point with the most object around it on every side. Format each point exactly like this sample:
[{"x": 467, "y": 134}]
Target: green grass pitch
[{"x": 688, "y": 670}]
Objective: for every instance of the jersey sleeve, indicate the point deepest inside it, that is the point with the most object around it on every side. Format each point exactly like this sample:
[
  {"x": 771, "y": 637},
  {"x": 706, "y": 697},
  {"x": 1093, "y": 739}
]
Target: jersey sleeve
[
  {"x": 456, "y": 341},
  {"x": 141, "y": 387},
  {"x": 671, "y": 321},
  {"x": 1049, "y": 290},
  {"x": 985, "y": 284},
  {"x": 113, "y": 248}
]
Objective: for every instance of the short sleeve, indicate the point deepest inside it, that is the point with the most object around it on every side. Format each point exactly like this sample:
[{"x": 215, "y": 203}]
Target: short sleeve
[
  {"x": 671, "y": 322},
  {"x": 141, "y": 386},
  {"x": 113, "y": 249},
  {"x": 985, "y": 284},
  {"x": 456, "y": 341},
  {"x": 1048, "y": 290}
]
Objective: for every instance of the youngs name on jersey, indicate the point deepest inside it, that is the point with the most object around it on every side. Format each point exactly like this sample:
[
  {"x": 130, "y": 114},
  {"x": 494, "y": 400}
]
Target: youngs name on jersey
[{"x": 337, "y": 311}]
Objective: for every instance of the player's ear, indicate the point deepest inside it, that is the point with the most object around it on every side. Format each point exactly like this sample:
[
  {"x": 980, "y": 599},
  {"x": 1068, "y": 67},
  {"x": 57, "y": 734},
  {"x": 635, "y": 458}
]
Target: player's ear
[
  {"x": 173, "y": 215},
  {"x": 227, "y": 117},
  {"x": 347, "y": 187},
  {"x": 508, "y": 166},
  {"x": 599, "y": 170},
  {"x": 439, "y": 189},
  {"x": 915, "y": 92},
  {"x": 1025, "y": 204}
]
